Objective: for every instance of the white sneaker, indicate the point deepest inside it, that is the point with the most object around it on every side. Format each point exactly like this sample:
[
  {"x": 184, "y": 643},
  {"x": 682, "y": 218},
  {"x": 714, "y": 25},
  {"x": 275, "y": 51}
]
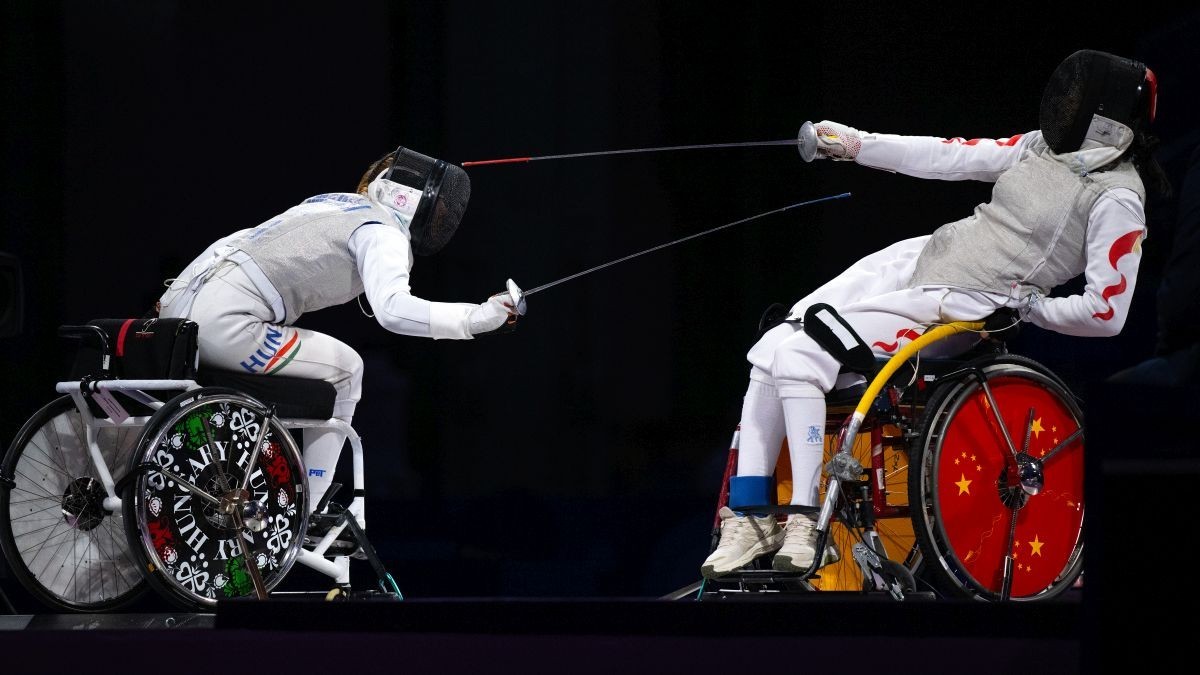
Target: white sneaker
[
  {"x": 800, "y": 545},
  {"x": 743, "y": 538}
]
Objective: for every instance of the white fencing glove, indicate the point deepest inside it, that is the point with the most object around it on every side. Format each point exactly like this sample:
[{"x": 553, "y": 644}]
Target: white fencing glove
[
  {"x": 838, "y": 141},
  {"x": 491, "y": 315}
]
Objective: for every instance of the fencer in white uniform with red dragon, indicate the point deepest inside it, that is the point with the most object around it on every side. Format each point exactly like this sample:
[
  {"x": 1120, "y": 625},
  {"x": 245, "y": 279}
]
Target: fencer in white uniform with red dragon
[{"x": 1068, "y": 200}]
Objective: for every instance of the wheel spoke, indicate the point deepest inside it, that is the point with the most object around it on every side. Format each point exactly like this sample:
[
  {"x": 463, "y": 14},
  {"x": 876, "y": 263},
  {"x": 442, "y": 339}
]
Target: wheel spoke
[
  {"x": 987, "y": 390},
  {"x": 189, "y": 487},
  {"x": 117, "y": 559},
  {"x": 41, "y": 510},
  {"x": 48, "y": 467},
  {"x": 1063, "y": 445},
  {"x": 35, "y": 484},
  {"x": 56, "y": 445},
  {"x": 54, "y": 524},
  {"x": 53, "y": 466}
]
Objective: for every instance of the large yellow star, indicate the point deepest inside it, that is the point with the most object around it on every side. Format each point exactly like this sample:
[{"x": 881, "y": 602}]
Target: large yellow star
[
  {"x": 963, "y": 484},
  {"x": 1037, "y": 428},
  {"x": 1036, "y": 546}
]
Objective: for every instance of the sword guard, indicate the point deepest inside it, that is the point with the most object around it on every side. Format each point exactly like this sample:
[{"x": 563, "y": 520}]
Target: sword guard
[
  {"x": 518, "y": 298},
  {"x": 806, "y": 141}
]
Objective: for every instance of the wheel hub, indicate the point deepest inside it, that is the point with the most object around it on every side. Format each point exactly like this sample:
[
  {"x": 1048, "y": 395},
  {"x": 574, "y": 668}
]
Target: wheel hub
[{"x": 83, "y": 504}]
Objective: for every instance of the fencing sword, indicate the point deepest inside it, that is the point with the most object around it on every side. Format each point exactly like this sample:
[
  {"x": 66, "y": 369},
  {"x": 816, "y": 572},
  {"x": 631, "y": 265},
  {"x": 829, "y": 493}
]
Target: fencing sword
[
  {"x": 517, "y": 296},
  {"x": 805, "y": 142}
]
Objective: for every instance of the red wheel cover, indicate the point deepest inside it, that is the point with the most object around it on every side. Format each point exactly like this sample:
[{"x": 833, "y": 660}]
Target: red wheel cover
[{"x": 970, "y": 464}]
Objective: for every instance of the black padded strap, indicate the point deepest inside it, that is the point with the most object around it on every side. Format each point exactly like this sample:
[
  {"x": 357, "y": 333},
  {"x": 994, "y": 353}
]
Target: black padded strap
[{"x": 827, "y": 328}]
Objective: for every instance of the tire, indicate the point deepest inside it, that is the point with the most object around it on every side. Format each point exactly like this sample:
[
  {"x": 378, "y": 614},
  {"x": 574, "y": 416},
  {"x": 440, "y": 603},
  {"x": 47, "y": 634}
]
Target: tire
[
  {"x": 962, "y": 487},
  {"x": 189, "y": 546},
  {"x": 60, "y": 543}
]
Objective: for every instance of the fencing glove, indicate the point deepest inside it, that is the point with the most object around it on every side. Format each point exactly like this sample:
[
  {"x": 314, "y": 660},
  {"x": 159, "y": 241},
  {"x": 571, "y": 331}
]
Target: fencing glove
[
  {"x": 837, "y": 141},
  {"x": 491, "y": 315}
]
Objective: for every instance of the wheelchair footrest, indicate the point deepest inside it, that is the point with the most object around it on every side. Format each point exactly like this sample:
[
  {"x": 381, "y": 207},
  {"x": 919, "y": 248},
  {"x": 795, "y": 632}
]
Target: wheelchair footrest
[{"x": 752, "y": 581}]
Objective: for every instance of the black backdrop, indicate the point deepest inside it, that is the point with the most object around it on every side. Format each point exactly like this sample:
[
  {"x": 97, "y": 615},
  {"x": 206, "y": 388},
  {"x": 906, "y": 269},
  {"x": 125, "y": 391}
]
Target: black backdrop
[{"x": 582, "y": 454}]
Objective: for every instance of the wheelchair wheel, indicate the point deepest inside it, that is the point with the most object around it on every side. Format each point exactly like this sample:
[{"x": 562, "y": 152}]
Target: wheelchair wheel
[
  {"x": 970, "y": 507},
  {"x": 190, "y": 544},
  {"x": 60, "y": 542}
]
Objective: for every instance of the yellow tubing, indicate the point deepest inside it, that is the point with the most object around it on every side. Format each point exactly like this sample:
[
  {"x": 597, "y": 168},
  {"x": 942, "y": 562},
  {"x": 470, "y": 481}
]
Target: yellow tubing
[{"x": 885, "y": 373}]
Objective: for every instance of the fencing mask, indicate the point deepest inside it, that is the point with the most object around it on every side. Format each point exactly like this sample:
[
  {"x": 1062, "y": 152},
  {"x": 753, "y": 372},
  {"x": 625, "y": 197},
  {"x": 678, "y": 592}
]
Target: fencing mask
[
  {"x": 1091, "y": 83},
  {"x": 445, "y": 190}
]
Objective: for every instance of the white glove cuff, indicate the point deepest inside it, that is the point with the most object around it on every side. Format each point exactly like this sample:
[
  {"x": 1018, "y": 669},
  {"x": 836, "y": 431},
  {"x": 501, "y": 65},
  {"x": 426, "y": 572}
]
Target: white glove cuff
[{"x": 450, "y": 321}]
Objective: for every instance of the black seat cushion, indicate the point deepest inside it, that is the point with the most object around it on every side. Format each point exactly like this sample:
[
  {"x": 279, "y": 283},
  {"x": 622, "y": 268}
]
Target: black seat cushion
[
  {"x": 293, "y": 397},
  {"x": 929, "y": 367}
]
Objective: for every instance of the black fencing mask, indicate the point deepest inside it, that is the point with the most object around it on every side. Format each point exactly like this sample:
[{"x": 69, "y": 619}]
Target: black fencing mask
[
  {"x": 1091, "y": 83},
  {"x": 445, "y": 191}
]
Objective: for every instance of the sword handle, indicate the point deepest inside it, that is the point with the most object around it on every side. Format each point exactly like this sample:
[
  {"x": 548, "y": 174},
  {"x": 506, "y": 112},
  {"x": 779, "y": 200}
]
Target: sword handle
[{"x": 516, "y": 298}]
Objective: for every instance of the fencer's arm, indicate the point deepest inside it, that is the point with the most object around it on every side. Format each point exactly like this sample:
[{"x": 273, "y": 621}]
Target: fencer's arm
[
  {"x": 982, "y": 159},
  {"x": 922, "y": 156},
  {"x": 384, "y": 260},
  {"x": 1116, "y": 229}
]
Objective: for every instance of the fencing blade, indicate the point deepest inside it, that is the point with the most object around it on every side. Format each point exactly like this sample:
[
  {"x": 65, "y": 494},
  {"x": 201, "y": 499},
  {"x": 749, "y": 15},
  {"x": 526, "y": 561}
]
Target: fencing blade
[
  {"x": 518, "y": 296},
  {"x": 805, "y": 142}
]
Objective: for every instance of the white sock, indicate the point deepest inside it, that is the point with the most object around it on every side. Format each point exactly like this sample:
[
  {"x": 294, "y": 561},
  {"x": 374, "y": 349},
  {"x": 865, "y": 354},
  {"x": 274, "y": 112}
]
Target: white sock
[
  {"x": 322, "y": 447},
  {"x": 762, "y": 431},
  {"x": 805, "y": 417}
]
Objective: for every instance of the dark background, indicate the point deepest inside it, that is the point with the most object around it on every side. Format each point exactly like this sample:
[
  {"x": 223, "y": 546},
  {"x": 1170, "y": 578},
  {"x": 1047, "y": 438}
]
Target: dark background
[{"x": 580, "y": 456}]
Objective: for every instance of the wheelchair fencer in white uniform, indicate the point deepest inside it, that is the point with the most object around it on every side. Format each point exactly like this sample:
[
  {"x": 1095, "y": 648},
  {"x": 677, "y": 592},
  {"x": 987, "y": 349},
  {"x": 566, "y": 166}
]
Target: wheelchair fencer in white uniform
[{"x": 220, "y": 459}]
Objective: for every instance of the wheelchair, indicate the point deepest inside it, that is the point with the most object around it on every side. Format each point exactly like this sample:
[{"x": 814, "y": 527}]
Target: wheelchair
[
  {"x": 151, "y": 473},
  {"x": 943, "y": 478}
]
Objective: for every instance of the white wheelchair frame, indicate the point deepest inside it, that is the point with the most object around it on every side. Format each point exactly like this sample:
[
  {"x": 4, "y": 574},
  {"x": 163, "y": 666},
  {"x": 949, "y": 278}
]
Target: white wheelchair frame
[{"x": 337, "y": 569}]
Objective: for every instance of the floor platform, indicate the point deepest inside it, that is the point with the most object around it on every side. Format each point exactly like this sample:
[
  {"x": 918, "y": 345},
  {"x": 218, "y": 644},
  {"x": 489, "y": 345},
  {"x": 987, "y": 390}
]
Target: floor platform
[{"x": 573, "y": 635}]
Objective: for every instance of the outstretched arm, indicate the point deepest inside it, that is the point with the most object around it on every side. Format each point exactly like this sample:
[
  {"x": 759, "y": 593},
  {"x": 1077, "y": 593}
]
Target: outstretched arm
[
  {"x": 981, "y": 159},
  {"x": 384, "y": 259},
  {"x": 1116, "y": 228}
]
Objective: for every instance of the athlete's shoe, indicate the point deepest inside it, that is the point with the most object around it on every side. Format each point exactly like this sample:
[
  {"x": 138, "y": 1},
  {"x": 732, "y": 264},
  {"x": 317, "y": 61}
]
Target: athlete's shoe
[
  {"x": 743, "y": 538},
  {"x": 800, "y": 545}
]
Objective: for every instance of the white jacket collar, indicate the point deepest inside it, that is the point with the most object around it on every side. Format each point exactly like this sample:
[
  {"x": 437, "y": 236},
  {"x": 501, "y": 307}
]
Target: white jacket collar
[
  {"x": 1105, "y": 141},
  {"x": 398, "y": 200}
]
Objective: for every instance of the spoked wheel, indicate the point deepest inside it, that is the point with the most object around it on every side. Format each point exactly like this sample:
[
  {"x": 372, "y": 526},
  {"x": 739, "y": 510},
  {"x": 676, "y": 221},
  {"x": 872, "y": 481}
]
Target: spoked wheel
[
  {"x": 60, "y": 542},
  {"x": 1000, "y": 484},
  {"x": 220, "y": 503}
]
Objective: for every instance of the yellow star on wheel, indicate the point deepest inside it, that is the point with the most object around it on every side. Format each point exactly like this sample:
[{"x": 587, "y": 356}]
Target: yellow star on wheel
[
  {"x": 1037, "y": 428},
  {"x": 1036, "y": 546},
  {"x": 963, "y": 484}
]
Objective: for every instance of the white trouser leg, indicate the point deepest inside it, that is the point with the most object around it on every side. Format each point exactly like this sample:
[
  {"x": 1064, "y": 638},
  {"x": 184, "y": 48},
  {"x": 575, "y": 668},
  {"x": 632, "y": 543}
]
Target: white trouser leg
[
  {"x": 761, "y": 430},
  {"x": 236, "y": 334},
  {"x": 805, "y": 415},
  {"x": 322, "y": 447}
]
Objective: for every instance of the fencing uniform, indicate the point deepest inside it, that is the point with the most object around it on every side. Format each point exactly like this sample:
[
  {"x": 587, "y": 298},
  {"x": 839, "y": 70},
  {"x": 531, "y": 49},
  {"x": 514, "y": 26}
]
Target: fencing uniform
[
  {"x": 247, "y": 289},
  {"x": 1051, "y": 218},
  {"x": 1067, "y": 200}
]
